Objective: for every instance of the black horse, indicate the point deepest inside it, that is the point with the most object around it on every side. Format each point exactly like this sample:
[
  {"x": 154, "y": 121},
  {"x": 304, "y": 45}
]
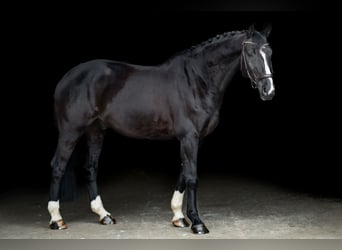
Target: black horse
[{"x": 180, "y": 98}]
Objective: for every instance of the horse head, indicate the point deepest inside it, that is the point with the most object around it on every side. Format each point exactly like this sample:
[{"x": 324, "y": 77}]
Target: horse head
[{"x": 256, "y": 61}]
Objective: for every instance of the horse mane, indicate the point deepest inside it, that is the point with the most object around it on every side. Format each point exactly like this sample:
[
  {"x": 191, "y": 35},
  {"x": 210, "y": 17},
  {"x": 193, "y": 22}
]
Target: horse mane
[
  {"x": 210, "y": 41},
  {"x": 215, "y": 39}
]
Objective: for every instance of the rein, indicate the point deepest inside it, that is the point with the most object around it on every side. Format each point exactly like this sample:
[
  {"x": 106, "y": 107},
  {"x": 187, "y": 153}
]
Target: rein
[{"x": 254, "y": 79}]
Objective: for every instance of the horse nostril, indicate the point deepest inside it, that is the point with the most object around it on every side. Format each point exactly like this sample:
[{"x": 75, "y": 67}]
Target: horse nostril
[{"x": 272, "y": 93}]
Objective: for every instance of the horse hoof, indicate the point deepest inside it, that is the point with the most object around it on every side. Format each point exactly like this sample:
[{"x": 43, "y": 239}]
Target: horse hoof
[
  {"x": 108, "y": 220},
  {"x": 180, "y": 223},
  {"x": 58, "y": 225},
  {"x": 199, "y": 229}
]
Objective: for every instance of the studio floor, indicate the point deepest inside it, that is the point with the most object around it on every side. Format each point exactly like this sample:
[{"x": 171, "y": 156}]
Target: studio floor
[{"x": 232, "y": 207}]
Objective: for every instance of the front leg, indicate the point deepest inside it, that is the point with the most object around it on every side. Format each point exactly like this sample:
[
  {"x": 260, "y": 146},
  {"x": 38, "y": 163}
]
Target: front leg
[
  {"x": 178, "y": 219},
  {"x": 189, "y": 149}
]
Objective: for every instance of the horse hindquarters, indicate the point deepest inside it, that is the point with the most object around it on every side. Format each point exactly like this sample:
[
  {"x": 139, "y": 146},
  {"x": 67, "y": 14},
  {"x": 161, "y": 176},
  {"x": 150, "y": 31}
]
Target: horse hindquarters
[{"x": 73, "y": 116}]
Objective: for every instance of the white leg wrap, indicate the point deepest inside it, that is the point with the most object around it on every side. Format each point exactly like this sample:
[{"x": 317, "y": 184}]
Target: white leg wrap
[
  {"x": 53, "y": 207},
  {"x": 97, "y": 207},
  {"x": 176, "y": 205}
]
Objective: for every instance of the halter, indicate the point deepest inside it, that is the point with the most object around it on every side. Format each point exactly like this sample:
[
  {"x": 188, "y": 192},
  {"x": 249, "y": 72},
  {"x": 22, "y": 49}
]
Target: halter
[{"x": 254, "y": 79}]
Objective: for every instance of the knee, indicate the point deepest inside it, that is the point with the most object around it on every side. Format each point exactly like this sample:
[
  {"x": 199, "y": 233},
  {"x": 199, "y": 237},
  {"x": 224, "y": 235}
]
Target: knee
[
  {"x": 192, "y": 182},
  {"x": 91, "y": 178},
  {"x": 57, "y": 173}
]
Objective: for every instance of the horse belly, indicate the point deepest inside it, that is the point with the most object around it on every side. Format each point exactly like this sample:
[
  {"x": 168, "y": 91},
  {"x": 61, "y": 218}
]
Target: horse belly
[
  {"x": 140, "y": 116},
  {"x": 138, "y": 125}
]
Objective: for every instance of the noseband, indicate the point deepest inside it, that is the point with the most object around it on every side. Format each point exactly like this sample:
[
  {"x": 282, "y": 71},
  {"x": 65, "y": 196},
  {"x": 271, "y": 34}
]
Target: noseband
[{"x": 254, "y": 79}]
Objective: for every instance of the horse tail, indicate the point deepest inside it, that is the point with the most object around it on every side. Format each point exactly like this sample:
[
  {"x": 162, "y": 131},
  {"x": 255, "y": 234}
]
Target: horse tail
[{"x": 69, "y": 185}]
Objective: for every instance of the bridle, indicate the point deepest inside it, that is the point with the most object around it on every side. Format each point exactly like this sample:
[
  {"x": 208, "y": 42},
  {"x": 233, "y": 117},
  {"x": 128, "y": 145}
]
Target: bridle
[{"x": 254, "y": 79}]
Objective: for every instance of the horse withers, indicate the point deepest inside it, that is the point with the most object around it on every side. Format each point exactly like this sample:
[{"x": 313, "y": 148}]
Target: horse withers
[{"x": 180, "y": 98}]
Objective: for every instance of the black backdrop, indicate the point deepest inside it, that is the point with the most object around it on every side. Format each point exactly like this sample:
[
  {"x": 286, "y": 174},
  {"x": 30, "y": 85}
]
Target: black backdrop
[{"x": 289, "y": 140}]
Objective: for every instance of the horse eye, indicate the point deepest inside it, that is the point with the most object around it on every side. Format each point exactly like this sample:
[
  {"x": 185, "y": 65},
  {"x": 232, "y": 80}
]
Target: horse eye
[{"x": 250, "y": 51}]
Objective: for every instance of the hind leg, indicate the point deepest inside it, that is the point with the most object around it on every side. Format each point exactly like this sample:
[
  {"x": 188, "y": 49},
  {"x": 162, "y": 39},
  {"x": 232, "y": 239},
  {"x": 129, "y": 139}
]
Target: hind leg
[
  {"x": 66, "y": 144},
  {"x": 95, "y": 137}
]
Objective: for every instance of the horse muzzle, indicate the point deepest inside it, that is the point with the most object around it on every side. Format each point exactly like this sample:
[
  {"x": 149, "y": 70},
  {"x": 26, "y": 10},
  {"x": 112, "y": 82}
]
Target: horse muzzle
[
  {"x": 266, "y": 88},
  {"x": 267, "y": 97}
]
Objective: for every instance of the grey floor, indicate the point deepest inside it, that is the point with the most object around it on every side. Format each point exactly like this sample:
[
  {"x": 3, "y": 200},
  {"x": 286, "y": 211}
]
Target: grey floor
[{"x": 232, "y": 208}]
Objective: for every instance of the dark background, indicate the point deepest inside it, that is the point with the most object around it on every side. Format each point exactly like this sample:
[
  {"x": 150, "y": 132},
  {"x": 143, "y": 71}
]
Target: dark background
[{"x": 291, "y": 141}]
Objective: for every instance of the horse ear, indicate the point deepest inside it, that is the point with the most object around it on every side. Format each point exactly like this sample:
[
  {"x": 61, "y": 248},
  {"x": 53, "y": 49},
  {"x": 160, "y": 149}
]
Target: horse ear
[
  {"x": 267, "y": 29},
  {"x": 250, "y": 30}
]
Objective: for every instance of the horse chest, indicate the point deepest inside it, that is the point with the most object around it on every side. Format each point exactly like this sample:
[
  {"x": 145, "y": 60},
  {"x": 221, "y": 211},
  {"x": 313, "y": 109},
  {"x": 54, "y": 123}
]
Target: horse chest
[{"x": 205, "y": 121}]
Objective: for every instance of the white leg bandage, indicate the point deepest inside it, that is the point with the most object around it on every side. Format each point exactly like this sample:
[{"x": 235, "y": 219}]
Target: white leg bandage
[
  {"x": 97, "y": 207},
  {"x": 176, "y": 205},
  {"x": 53, "y": 207}
]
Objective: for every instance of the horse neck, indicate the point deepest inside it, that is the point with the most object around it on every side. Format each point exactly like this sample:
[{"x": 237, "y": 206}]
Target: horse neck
[{"x": 216, "y": 65}]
